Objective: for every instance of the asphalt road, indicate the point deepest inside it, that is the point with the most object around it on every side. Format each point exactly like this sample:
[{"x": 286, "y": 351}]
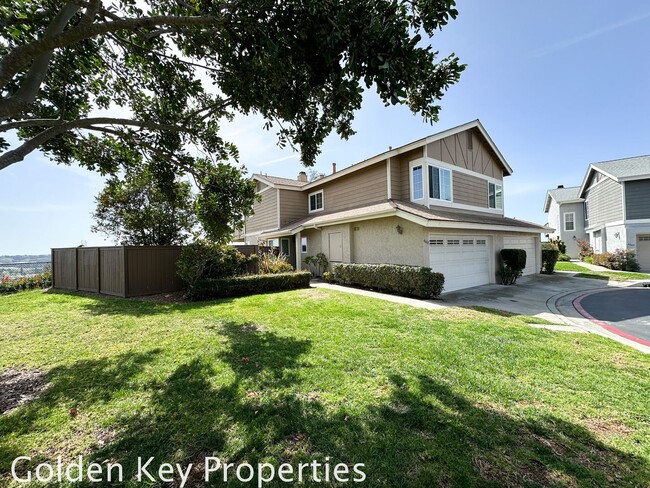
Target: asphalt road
[{"x": 627, "y": 310}]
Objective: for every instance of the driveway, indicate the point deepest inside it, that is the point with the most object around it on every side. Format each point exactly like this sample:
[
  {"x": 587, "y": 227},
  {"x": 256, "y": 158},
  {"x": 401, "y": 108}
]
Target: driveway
[
  {"x": 625, "y": 312},
  {"x": 609, "y": 309}
]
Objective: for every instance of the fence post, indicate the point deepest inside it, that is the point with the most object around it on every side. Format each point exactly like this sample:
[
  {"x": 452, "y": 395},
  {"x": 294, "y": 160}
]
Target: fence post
[
  {"x": 52, "y": 266},
  {"x": 76, "y": 268},
  {"x": 99, "y": 270}
]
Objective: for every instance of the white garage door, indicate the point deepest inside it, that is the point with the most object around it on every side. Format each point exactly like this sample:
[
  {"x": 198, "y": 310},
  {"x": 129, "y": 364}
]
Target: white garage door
[
  {"x": 528, "y": 245},
  {"x": 464, "y": 260},
  {"x": 643, "y": 252}
]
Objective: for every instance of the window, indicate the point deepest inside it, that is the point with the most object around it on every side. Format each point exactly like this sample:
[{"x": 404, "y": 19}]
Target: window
[
  {"x": 316, "y": 201},
  {"x": 495, "y": 196},
  {"x": 285, "y": 248},
  {"x": 453, "y": 242},
  {"x": 569, "y": 221},
  {"x": 468, "y": 242},
  {"x": 481, "y": 242},
  {"x": 417, "y": 192},
  {"x": 303, "y": 245},
  {"x": 585, "y": 207},
  {"x": 439, "y": 183},
  {"x": 436, "y": 242},
  {"x": 272, "y": 243}
]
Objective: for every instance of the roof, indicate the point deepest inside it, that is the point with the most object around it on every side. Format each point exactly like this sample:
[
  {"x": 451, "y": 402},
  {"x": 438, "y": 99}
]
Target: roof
[
  {"x": 625, "y": 168},
  {"x": 413, "y": 212},
  {"x": 635, "y": 168},
  {"x": 562, "y": 195},
  {"x": 276, "y": 180}
]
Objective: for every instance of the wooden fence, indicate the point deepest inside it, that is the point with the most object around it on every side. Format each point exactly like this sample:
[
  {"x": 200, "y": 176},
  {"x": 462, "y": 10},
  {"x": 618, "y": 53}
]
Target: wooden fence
[{"x": 125, "y": 271}]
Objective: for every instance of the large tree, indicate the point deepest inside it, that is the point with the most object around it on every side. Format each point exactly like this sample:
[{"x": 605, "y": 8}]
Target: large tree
[{"x": 175, "y": 71}]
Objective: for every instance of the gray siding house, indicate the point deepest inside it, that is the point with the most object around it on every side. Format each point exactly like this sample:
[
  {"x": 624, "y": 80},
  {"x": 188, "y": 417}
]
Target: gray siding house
[
  {"x": 617, "y": 206},
  {"x": 566, "y": 215}
]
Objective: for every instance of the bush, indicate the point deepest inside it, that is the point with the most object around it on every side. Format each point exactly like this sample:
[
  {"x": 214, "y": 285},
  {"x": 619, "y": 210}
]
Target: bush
[
  {"x": 404, "y": 280},
  {"x": 9, "y": 285},
  {"x": 319, "y": 262},
  {"x": 328, "y": 276},
  {"x": 585, "y": 249},
  {"x": 549, "y": 258},
  {"x": 236, "y": 286},
  {"x": 514, "y": 262},
  {"x": 563, "y": 257},
  {"x": 270, "y": 263},
  {"x": 204, "y": 259},
  {"x": 560, "y": 245},
  {"x": 621, "y": 260}
]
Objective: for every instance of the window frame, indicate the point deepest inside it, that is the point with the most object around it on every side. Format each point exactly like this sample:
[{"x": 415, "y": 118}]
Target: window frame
[
  {"x": 431, "y": 168},
  {"x": 573, "y": 221},
  {"x": 494, "y": 185},
  {"x": 585, "y": 210},
  {"x": 322, "y": 201},
  {"x": 303, "y": 245},
  {"x": 288, "y": 241},
  {"x": 419, "y": 166}
]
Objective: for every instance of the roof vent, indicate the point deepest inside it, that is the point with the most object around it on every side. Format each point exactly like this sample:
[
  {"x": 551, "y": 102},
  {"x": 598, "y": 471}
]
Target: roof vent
[
  {"x": 333, "y": 168},
  {"x": 560, "y": 186},
  {"x": 302, "y": 176}
]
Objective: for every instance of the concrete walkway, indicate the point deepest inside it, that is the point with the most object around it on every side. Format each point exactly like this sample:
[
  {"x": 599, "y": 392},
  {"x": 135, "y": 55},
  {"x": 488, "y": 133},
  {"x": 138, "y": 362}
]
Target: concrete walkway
[{"x": 549, "y": 297}]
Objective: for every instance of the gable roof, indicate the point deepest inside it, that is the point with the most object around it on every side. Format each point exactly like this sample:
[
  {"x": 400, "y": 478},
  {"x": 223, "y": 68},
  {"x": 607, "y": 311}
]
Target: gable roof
[
  {"x": 416, "y": 213},
  {"x": 277, "y": 181},
  {"x": 619, "y": 170},
  {"x": 475, "y": 124},
  {"x": 562, "y": 195}
]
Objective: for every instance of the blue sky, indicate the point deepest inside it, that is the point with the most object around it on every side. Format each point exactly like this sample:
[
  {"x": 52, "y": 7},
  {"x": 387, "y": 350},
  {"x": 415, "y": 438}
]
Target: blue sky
[{"x": 556, "y": 84}]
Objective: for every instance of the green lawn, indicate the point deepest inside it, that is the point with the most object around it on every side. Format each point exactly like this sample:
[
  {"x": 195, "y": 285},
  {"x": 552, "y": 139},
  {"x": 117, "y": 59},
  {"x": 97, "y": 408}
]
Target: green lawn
[
  {"x": 455, "y": 397},
  {"x": 603, "y": 275}
]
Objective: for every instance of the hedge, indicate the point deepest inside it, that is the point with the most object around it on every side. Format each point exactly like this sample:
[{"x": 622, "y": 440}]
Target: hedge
[
  {"x": 415, "y": 281},
  {"x": 514, "y": 259},
  {"x": 236, "y": 286},
  {"x": 549, "y": 258}
]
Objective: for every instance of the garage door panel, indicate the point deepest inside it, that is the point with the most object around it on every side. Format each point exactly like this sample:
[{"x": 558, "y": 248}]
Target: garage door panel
[
  {"x": 463, "y": 261},
  {"x": 643, "y": 252},
  {"x": 527, "y": 244}
]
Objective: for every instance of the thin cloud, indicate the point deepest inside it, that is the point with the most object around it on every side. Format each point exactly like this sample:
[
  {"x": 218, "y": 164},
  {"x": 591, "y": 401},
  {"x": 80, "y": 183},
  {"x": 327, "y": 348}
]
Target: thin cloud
[
  {"x": 558, "y": 46},
  {"x": 278, "y": 160}
]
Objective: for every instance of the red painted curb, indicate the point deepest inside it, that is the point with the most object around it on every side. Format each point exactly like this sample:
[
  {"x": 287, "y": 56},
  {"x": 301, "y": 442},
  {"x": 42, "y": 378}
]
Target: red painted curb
[{"x": 578, "y": 306}]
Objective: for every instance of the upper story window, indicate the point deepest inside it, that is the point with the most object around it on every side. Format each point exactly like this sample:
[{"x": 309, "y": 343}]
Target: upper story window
[
  {"x": 569, "y": 221},
  {"x": 585, "y": 207},
  {"x": 316, "y": 201},
  {"x": 417, "y": 192},
  {"x": 495, "y": 195},
  {"x": 439, "y": 183}
]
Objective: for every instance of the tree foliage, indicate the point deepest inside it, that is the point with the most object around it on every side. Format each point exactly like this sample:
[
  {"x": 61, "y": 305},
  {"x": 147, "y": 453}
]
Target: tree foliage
[
  {"x": 134, "y": 211},
  {"x": 115, "y": 85}
]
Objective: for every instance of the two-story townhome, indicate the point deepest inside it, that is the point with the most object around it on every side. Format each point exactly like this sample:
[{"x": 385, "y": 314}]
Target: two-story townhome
[
  {"x": 617, "y": 206},
  {"x": 438, "y": 202},
  {"x": 565, "y": 215}
]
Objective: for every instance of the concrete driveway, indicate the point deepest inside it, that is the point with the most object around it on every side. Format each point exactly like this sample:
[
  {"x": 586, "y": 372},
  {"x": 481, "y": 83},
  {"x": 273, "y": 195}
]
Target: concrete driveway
[{"x": 552, "y": 297}]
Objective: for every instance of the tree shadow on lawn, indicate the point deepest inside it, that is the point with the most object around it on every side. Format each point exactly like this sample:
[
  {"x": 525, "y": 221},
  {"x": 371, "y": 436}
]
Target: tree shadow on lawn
[{"x": 417, "y": 431}]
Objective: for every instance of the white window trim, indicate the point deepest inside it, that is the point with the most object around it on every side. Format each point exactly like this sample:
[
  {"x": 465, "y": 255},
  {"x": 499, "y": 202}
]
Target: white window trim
[
  {"x": 451, "y": 183},
  {"x": 412, "y": 166},
  {"x": 322, "y": 201},
  {"x": 303, "y": 247},
  {"x": 564, "y": 221},
  {"x": 495, "y": 195}
]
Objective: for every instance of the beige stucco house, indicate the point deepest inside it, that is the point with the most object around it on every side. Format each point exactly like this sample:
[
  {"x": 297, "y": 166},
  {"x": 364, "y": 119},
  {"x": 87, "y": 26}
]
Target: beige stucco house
[{"x": 435, "y": 202}]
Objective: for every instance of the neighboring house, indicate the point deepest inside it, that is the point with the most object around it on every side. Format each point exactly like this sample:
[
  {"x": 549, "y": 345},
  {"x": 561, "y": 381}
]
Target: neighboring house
[
  {"x": 617, "y": 206},
  {"x": 435, "y": 202},
  {"x": 566, "y": 216}
]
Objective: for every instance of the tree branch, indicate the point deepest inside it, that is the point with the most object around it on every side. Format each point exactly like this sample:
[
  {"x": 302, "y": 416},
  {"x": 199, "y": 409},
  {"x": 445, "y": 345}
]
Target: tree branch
[
  {"x": 20, "y": 57},
  {"x": 18, "y": 154},
  {"x": 30, "y": 85}
]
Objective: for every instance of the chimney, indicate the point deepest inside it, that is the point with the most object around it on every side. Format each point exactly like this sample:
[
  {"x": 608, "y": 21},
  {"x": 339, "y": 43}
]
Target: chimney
[
  {"x": 333, "y": 168},
  {"x": 302, "y": 176},
  {"x": 560, "y": 186}
]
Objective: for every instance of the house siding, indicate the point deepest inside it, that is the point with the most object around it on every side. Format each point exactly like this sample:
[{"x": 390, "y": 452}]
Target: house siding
[
  {"x": 402, "y": 191},
  {"x": 293, "y": 206},
  {"x": 572, "y": 248},
  {"x": 605, "y": 203},
  {"x": 265, "y": 213},
  {"x": 456, "y": 150},
  {"x": 377, "y": 241},
  {"x": 469, "y": 190},
  {"x": 362, "y": 187},
  {"x": 637, "y": 199}
]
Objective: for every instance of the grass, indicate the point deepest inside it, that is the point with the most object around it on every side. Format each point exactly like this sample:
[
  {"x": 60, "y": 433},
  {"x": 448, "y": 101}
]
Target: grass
[
  {"x": 455, "y": 397},
  {"x": 602, "y": 275}
]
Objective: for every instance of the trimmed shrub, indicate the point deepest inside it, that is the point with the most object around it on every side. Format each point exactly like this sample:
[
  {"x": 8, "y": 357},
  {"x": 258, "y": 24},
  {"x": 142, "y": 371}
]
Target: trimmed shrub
[
  {"x": 9, "y": 285},
  {"x": 414, "y": 281},
  {"x": 559, "y": 243},
  {"x": 204, "y": 259},
  {"x": 585, "y": 248},
  {"x": 621, "y": 260},
  {"x": 514, "y": 262},
  {"x": 237, "y": 286},
  {"x": 564, "y": 257},
  {"x": 549, "y": 259},
  {"x": 270, "y": 263}
]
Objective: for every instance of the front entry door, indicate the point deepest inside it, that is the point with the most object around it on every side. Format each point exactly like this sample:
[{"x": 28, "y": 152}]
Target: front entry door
[{"x": 336, "y": 247}]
